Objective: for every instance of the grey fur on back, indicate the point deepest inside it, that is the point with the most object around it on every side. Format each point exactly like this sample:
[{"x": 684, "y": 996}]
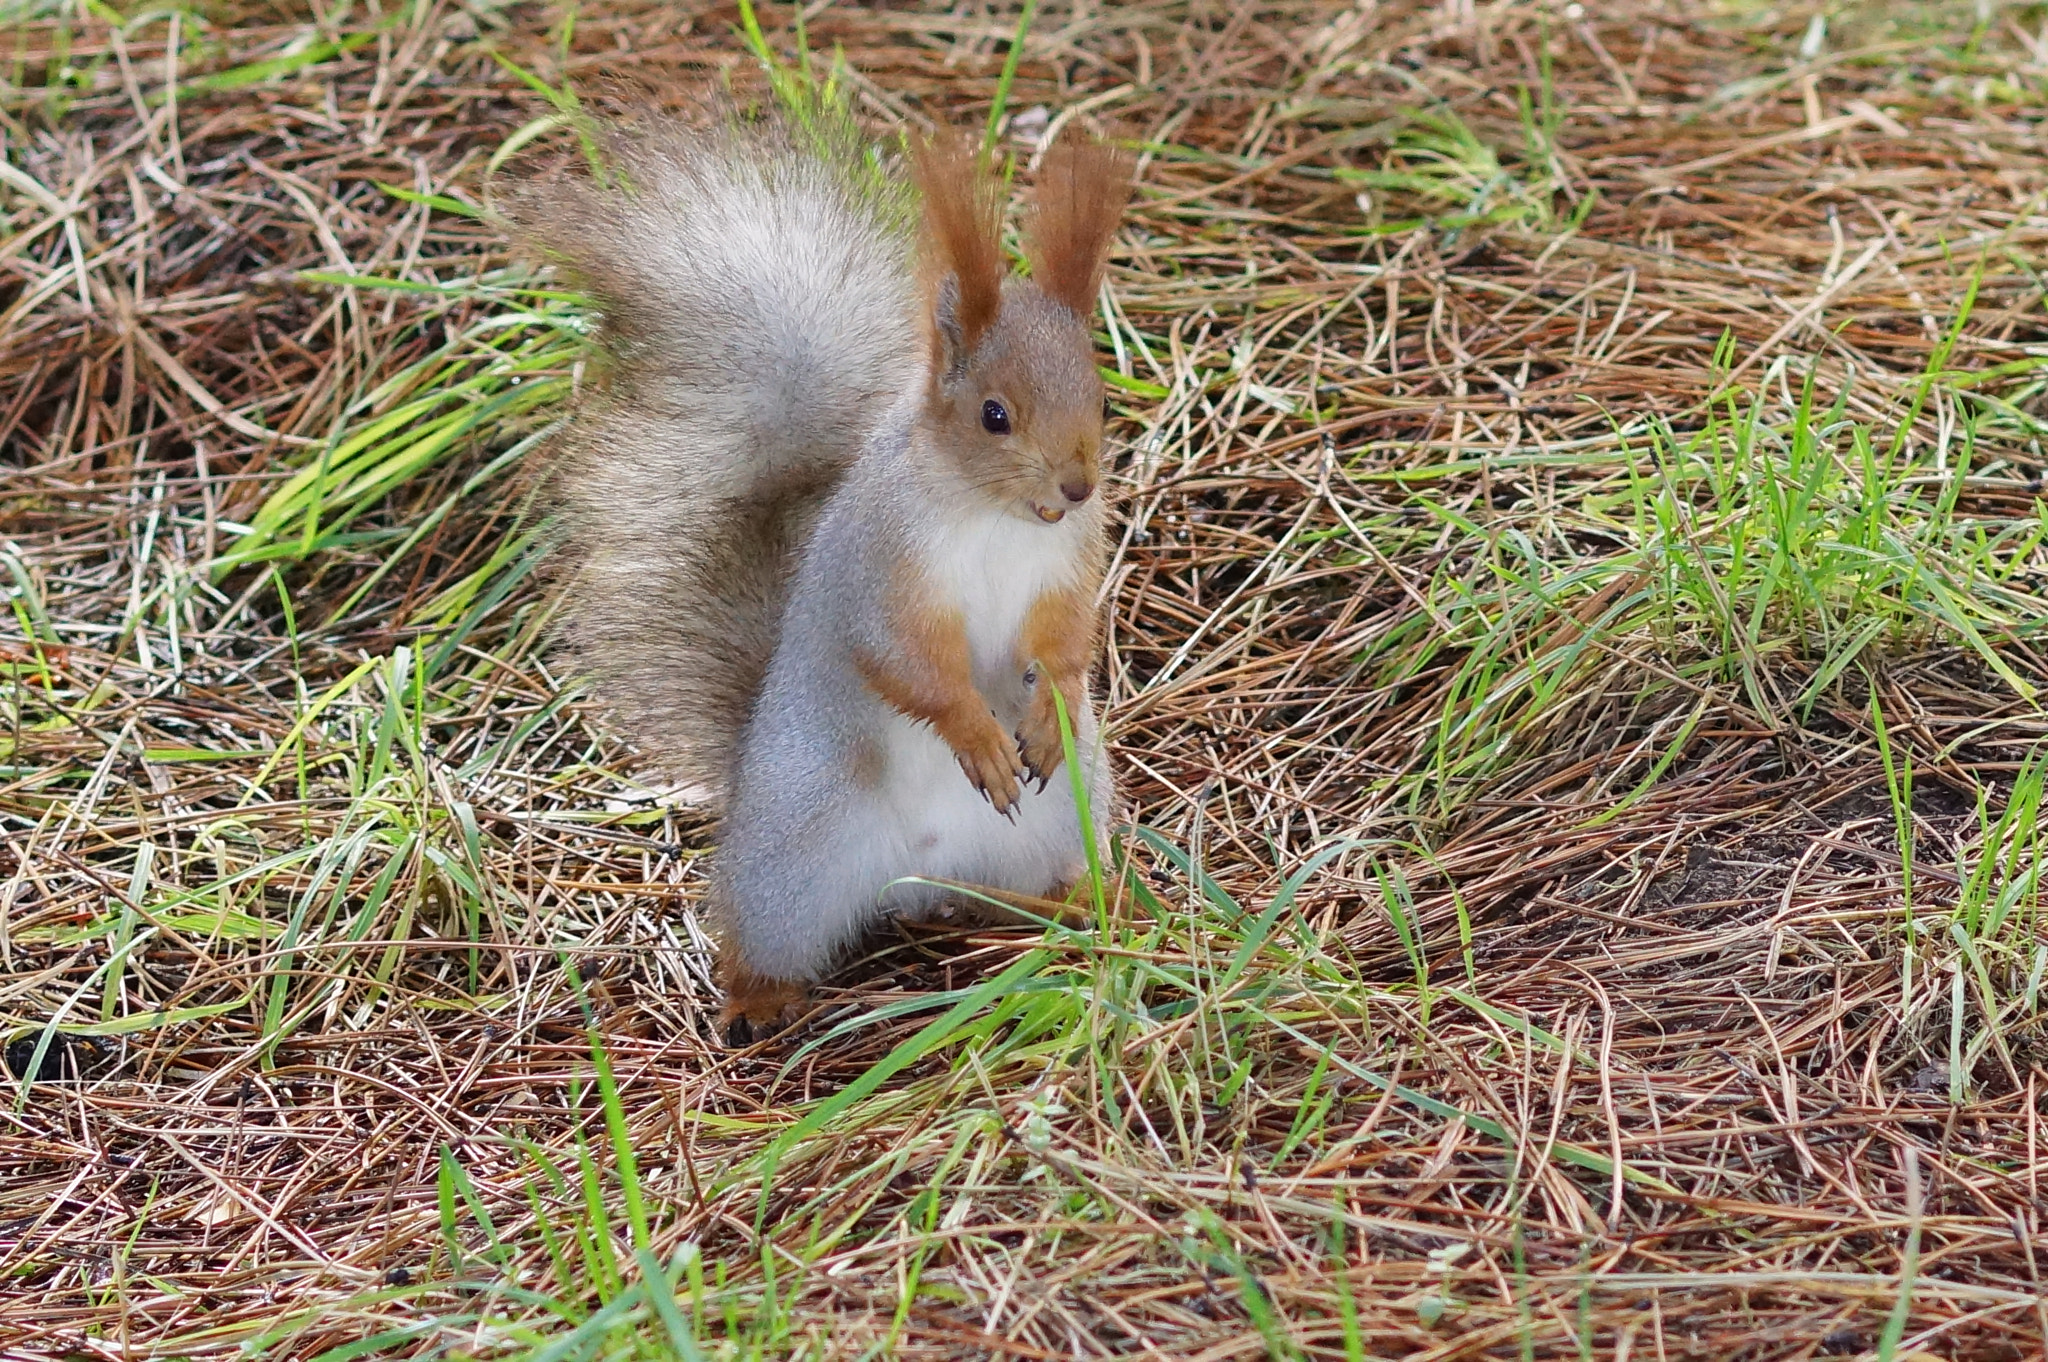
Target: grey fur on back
[{"x": 758, "y": 319}]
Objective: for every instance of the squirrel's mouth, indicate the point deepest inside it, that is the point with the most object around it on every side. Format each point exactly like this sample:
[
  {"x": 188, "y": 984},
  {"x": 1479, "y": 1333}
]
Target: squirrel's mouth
[{"x": 1051, "y": 515}]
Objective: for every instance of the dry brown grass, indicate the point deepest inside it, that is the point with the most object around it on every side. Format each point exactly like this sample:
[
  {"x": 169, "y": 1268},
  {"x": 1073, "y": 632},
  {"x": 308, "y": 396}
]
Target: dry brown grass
[{"x": 1385, "y": 579}]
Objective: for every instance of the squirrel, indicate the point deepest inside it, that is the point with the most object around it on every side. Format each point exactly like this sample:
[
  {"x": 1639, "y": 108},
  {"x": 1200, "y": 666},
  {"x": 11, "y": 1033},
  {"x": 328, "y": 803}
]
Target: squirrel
[{"x": 834, "y": 521}]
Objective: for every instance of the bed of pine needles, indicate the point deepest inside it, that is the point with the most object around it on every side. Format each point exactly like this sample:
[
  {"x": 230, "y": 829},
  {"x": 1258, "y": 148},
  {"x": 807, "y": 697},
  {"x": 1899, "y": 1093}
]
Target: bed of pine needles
[{"x": 1576, "y": 668}]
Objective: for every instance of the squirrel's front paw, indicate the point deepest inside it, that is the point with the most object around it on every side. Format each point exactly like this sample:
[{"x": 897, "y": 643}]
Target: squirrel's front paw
[
  {"x": 1038, "y": 738},
  {"x": 992, "y": 766}
]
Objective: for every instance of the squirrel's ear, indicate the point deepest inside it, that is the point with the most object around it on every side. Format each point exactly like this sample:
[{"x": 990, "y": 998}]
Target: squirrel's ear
[
  {"x": 963, "y": 210},
  {"x": 1082, "y": 189}
]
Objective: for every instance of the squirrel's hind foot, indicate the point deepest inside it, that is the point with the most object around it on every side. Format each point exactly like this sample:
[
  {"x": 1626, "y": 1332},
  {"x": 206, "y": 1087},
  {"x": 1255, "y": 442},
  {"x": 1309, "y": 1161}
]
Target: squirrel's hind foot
[{"x": 756, "y": 1006}]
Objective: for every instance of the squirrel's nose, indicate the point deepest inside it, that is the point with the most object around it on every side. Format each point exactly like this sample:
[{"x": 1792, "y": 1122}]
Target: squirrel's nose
[{"x": 1076, "y": 490}]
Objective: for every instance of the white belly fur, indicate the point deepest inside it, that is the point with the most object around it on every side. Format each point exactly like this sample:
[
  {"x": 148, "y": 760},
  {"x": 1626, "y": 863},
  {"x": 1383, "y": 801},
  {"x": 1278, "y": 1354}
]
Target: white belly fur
[
  {"x": 992, "y": 568},
  {"x": 941, "y": 827}
]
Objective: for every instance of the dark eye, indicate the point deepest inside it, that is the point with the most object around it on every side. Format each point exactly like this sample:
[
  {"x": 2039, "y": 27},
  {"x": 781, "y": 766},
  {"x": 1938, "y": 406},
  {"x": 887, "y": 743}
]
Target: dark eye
[{"x": 995, "y": 417}]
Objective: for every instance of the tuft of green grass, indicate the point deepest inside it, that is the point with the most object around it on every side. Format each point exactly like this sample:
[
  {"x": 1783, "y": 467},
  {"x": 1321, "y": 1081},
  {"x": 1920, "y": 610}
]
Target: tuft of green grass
[
  {"x": 1898, "y": 780},
  {"x": 1435, "y": 159},
  {"x": 1775, "y": 547},
  {"x": 493, "y": 383},
  {"x": 1995, "y": 927}
]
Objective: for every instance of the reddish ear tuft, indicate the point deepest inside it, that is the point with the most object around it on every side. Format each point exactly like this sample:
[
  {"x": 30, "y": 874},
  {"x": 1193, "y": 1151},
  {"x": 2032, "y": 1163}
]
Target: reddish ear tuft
[
  {"x": 963, "y": 210},
  {"x": 1082, "y": 189}
]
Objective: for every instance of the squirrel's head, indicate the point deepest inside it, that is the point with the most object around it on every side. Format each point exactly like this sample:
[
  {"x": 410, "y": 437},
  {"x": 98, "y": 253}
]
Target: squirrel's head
[{"x": 1015, "y": 400}]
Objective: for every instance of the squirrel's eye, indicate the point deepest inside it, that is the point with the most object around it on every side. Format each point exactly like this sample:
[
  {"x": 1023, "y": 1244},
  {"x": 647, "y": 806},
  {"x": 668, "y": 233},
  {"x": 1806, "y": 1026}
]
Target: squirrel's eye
[{"x": 995, "y": 417}]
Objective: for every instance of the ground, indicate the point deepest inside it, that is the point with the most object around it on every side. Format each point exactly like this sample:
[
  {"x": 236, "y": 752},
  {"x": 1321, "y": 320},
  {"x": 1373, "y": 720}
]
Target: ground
[{"x": 1575, "y": 667}]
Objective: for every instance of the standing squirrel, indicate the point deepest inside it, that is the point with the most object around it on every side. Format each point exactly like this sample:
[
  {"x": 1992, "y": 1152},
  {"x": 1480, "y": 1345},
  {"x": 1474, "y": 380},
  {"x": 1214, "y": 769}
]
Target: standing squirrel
[{"x": 834, "y": 522}]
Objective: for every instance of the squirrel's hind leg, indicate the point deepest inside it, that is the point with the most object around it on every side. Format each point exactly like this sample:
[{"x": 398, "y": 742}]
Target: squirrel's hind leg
[{"x": 756, "y": 1006}]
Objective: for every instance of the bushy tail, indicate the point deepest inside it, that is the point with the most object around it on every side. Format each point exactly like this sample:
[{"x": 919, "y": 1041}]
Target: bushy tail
[{"x": 757, "y": 318}]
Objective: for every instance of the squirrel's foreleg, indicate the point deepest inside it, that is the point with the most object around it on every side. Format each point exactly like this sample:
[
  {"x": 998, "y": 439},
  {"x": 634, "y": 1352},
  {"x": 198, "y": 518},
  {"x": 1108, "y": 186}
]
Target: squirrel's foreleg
[
  {"x": 929, "y": 676},
  {"x": 1054, "y": 648}
]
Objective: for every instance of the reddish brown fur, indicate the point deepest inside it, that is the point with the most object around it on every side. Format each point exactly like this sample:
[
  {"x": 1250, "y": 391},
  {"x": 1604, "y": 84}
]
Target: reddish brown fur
[
  {"x": 765, "y": 1004},
  {"x": 1059, "y": 639},
  {"x": 1054, "y": 399},
  {"x": 1082, "y": 189},
  {"x": 963, "y": 212},
  {"x": 934, "y": 683}
]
